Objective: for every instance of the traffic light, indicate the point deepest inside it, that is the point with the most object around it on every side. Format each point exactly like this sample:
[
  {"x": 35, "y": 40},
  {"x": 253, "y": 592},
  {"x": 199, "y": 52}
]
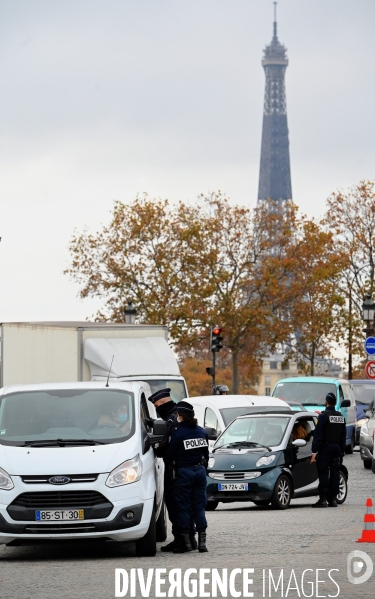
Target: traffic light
[{"x": 216, "y": 339}]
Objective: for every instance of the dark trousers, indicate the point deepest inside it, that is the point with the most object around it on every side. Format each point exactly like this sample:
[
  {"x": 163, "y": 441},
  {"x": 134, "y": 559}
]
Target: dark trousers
[
  {"x": 170, "y": 500},
  {"x": 328, "y": 466},
  {"x": 190, "y": 496}
]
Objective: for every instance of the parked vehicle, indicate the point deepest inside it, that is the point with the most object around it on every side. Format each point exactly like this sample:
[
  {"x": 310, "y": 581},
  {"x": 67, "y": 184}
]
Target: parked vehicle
[
  {"x": 256, "y": 459},
  {"x": 366, "y": 443},
  {"x": 54, "y": 352},
  {"x": 364, "y": 393},
  {"x": 77, "y": 462},
  {"x": 215, "y": 412},
  {"x": 311, "y": 392}
]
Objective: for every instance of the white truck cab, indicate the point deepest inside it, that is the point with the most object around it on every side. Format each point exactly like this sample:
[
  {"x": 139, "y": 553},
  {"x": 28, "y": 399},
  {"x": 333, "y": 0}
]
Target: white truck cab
[{"x": 77, "y": 461}]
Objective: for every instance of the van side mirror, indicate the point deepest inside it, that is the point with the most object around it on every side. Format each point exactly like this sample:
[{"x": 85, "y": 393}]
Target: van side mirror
[
  {"x": 299, "y": 443},
  {"x": 345, "y": 403},
  {"x": 211, "y": 432},
  {"x": 159, "y": 435}
]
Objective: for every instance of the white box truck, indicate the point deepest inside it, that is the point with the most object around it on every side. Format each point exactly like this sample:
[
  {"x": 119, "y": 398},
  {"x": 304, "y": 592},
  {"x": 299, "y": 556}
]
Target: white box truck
[{"x": 58, "y": 352}]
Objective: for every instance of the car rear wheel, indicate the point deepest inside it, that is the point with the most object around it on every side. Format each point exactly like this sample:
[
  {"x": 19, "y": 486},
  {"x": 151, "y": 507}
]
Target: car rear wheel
[
  {"x": 211, "y": 506},
  {"x": 161, "y": 525},
  {"x": 367, "y": 464},
  {"x": 282, "y": 493},
  {"x": 343, "y": 488},
  {"x": 262, "y": 502},
  {"x": 350, "y": 448},
  {"x": 146, "y": 546}
]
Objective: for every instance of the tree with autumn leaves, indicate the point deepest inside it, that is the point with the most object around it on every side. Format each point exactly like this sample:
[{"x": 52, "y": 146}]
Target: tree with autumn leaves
[{"x": 266, "y": 275}]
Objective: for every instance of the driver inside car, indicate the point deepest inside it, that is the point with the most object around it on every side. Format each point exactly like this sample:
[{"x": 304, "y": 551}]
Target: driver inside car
[{"x": 117, "y": 415}]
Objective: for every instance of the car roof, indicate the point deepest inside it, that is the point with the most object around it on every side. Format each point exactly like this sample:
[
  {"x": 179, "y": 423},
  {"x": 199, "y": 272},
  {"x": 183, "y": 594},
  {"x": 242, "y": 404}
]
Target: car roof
[
  {"x": 236, "y": 401},
  {"x": 311, "y": 379},
  {"x": 361, "y": 382},
  {"x": 279, "y": 414},
  {"x": 128, "y": 386}
]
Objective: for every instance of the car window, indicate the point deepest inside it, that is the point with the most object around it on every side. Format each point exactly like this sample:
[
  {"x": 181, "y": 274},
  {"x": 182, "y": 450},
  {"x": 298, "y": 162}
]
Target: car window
[
  {"x": 364, "y": 394},
  {"x": 306, "y": 393},
  {"x": 341, "y": 393},
  {"x": 347, "y": 392},
  {"x": 304, "y": 429},
  {"x": 145, "y": 414},
  {"x": 264, "y": 430},
  {"x": 229, "y": 414},
  {"x": 211, "y": 421}
]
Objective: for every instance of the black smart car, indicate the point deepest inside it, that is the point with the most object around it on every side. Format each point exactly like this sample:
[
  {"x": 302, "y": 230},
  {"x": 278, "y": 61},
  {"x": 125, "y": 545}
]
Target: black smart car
[{"x": 265, "y": 458}]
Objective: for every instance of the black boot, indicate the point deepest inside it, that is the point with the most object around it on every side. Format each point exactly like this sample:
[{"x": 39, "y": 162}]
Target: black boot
[
  {"x": 193, "y": 541},
  {"x": 202, "y": 542},
  {"x": 170, "y": 547},
  {"x": 183, "y": 545},
  {"x": 332, "y": 502},
  {"x": 321, "y": 503}
]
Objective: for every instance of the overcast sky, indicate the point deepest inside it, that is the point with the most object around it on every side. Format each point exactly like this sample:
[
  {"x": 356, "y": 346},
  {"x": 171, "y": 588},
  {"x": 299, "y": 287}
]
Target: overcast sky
[{"x": 101, "y": 100}]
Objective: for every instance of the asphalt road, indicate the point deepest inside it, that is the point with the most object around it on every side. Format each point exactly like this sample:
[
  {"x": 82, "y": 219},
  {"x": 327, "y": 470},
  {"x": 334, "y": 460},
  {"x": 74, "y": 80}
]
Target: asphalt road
[{"x": 239, "y": 536}]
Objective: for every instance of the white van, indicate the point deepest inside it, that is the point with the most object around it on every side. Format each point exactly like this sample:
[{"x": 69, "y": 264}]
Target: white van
[
  {"x": 216, "y": 412},
  {"x": 77, "y": 462}
]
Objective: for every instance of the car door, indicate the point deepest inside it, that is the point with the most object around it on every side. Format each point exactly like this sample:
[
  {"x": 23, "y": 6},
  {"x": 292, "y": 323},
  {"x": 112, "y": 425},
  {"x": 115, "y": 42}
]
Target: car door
[
  {"x": 350, "y": 412},
  {"x": 158, "y": 464},
  {"x": 211, "y": 421},
  {"x": 305, "y": 475}
]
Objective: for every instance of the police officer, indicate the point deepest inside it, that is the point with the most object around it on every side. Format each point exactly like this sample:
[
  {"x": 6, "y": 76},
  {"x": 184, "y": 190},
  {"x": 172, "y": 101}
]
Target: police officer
[
  {"x": 166, "y": 409},
  {"x": 328, "y": 448},
  {"x": 221, "y": 390},
  {"x": 187, "y": 450}
]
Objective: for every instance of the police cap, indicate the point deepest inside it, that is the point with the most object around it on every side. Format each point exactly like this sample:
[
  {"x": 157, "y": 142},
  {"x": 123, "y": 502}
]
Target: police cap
[
  {"x": 161, "y": 394},
  {"x": 331, "y": 398},
  {"x": 184, "y": 407}
]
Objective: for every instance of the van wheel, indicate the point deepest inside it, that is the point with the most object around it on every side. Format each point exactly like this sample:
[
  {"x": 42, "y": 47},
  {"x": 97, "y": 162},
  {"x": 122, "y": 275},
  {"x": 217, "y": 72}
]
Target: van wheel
[
  {"x": 343, "y": 488},
  {"x": 146, "y": 546},
  {"x": 211, "y": 506},
  {"x": 367, "y": 464},
  {"x": 282, "y": 493},
  {"x": 161, "y": 524},
  {"x": 350, "y": 448}
]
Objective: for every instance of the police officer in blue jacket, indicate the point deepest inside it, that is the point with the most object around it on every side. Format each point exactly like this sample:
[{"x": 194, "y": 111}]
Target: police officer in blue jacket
[
  {"x": 328, "y": 448},
  {"x": 188, "y": 452}
]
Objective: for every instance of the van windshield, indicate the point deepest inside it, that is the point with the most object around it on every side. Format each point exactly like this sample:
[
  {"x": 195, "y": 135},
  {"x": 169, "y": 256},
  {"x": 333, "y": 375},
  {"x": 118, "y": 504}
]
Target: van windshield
[
  {"x": 229, "y": 414},
  {"x": 66, "y": 416},
  {"x": 308, "y": 394}
]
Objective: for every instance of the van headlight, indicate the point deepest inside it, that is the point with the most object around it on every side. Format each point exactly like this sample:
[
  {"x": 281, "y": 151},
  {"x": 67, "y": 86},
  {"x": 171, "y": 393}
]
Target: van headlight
[
  {"x": 211, "y": 463},
  {"x": 265, "y": 460},
  {"x": 126, "y": 473},
  {"x": 6, "y": 483}
]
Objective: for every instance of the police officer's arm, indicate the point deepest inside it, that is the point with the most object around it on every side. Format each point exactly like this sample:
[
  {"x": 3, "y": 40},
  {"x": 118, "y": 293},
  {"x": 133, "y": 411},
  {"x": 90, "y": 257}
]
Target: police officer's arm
[
  {"x": 172, "y": 447},
  {"x": 318, "y": 436}
]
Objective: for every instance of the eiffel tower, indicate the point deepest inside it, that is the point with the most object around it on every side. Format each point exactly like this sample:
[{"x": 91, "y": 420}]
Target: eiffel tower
[{"x": 274, "y": 177}]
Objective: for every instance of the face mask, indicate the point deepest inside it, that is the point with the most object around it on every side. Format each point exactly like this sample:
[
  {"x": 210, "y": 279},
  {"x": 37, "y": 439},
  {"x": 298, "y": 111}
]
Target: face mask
[{"x": 123, "y": 417}]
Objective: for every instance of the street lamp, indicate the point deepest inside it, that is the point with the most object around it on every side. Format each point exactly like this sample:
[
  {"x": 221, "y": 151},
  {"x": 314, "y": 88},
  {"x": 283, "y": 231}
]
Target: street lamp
[
  {"x": 130, "y": 313},
  {"x": 368, "y": 310}
]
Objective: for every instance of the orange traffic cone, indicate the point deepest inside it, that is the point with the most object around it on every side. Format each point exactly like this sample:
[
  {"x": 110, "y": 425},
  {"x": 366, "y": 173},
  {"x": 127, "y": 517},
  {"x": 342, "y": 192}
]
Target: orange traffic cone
[{"x": 368, "y": 533}]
